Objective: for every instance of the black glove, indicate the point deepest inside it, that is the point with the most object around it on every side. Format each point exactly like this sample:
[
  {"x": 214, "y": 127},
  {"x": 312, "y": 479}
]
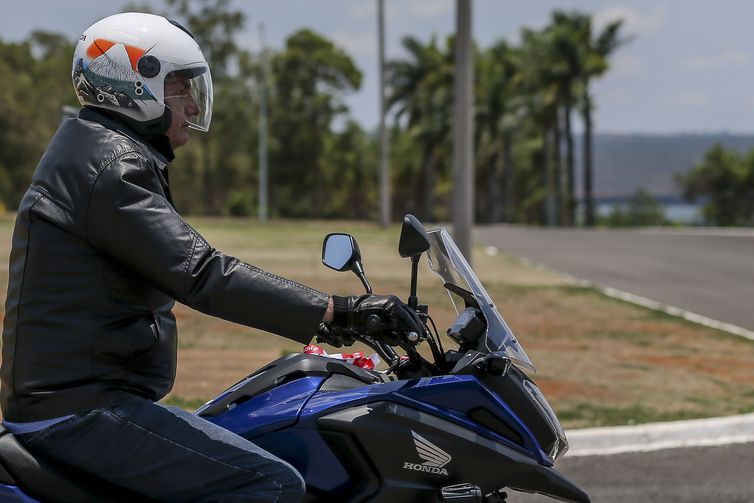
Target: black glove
[
  {"x": 334, "y": 336},
  {"x": 384, "y": 317}
]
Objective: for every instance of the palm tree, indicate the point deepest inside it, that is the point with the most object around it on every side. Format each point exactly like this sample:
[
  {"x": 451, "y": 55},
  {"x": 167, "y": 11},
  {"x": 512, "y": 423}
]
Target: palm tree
[
  {"x": 538, "y": 82},
  {"x": 596, "y": 50},
  {"x": 566, "y": 38},
  {"x": 420, "y": 89},
  {"x": 497, "y": 103}
]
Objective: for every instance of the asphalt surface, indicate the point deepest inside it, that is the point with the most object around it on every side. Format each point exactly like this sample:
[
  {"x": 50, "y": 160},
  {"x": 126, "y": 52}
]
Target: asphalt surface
[
  {"x": 723, "y": 474},
  {"x": 706, "y": 271}
]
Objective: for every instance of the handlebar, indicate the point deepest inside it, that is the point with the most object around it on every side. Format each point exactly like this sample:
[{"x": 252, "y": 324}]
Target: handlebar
[
  {"x": 375, "y": 328},
  {"x": 376, "y": 325}
]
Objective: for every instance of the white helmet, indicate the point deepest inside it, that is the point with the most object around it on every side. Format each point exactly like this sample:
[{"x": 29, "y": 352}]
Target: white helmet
[{"x": 120, "y": 64}]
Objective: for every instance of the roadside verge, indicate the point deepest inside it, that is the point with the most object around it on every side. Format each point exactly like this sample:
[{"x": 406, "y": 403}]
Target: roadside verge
[{"x": 645, "y": 302}]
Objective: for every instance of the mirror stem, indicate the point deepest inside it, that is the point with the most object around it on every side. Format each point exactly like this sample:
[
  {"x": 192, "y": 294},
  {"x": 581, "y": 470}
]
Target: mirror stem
[
  {"x": 413, "y": 301},
  {"x": 358, "y": 269}
]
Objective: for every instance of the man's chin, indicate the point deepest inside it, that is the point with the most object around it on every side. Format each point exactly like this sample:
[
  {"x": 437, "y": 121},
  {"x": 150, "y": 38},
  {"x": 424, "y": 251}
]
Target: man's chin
[{"x": 179, "y": 140}]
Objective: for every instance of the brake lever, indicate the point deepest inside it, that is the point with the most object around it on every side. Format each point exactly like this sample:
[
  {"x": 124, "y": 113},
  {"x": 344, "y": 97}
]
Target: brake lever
[{"x": 386, "y": 351}]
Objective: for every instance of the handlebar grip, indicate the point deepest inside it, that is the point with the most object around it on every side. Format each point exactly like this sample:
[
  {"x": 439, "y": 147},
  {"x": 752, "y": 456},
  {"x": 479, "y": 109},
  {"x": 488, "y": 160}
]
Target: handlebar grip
[{"x": 323, "y": 330}]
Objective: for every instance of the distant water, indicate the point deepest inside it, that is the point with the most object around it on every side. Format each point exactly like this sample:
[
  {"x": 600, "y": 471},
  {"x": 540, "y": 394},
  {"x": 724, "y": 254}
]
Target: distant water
[{"x": 676, "y": 212}]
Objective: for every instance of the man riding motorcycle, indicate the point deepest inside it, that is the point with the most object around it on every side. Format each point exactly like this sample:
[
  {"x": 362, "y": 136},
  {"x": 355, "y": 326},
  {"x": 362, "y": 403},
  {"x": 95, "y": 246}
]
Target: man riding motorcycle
[{"x": 99, "y": 257}]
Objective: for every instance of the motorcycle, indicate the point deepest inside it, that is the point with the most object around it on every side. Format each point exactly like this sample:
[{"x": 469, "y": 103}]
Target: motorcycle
[{"x": 458, "y": 427}]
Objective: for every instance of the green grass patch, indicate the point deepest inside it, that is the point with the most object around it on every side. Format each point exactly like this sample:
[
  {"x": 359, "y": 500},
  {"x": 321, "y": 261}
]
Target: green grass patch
[
  {"x": 190, "y": 404},
  {"x": 593, "y": 414}
]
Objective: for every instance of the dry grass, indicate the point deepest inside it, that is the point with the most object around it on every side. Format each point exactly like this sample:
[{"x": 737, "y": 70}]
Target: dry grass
[{"x": 600, "y": 361}]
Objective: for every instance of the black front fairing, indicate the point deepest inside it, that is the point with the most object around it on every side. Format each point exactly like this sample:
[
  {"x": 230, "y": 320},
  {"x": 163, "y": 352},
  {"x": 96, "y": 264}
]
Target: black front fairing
[{"x": 520, "y": 393}]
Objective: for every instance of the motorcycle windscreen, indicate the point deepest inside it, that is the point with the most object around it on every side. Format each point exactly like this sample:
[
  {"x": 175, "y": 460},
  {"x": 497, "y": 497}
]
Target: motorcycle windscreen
[{"x": 447, "y": 261}]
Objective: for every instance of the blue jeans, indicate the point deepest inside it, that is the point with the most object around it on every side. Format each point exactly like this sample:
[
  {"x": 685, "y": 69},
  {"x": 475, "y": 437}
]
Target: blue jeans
[{"x": 167, "y": 454}]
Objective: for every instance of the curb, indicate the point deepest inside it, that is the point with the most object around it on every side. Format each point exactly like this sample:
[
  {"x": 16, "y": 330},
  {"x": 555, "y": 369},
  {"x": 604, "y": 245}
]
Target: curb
[{"x": 656, "y": 436}]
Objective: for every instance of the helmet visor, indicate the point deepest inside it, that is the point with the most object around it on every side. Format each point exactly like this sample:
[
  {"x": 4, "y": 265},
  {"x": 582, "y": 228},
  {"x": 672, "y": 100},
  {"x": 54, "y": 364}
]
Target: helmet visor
[{"x": 188, "y": 94}]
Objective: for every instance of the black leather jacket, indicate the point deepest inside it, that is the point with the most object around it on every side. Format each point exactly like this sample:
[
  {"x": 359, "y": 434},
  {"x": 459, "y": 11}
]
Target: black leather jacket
[{"x": 99, "y": 255}]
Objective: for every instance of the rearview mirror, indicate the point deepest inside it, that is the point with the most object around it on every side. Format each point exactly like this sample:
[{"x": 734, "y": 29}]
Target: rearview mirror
[
  {"x": 414, "y": 240},
  {"x": 340, "y": 251}
]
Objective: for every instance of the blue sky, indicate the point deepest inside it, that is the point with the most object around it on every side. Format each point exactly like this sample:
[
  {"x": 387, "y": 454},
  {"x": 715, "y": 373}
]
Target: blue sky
[{"x": 688, "y": 68}]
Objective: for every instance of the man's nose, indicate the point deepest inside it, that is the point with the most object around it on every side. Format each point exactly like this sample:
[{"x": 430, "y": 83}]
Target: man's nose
[{"x": 192, "y": 108}]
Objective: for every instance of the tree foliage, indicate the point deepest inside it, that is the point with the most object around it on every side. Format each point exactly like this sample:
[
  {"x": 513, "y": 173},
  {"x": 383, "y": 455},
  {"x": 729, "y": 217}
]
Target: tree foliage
[
  {"x": 420, "y": 92},
  {"x": 311, "y": 76},
  {"x": 322, "y": 164},
  {"x": 36, "y": 83},
  {"x": 725, "y": 180},
  {"x": 525, "y": 97},
  {"x": 640, "y": 210}
]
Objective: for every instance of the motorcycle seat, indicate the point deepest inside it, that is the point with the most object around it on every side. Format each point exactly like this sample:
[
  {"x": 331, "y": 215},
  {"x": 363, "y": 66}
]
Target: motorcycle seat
[{"x": 50, "y": 482}]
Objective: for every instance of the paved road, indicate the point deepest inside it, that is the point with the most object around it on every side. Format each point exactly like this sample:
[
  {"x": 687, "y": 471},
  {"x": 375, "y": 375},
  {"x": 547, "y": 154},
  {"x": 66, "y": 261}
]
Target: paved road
[
  {"x": 709, "y": 272},
  {"x": 723, "y": 474}
]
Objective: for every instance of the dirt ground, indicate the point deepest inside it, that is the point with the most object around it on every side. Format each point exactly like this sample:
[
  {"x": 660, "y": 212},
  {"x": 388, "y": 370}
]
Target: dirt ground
[{"x": 600, "y": 361}]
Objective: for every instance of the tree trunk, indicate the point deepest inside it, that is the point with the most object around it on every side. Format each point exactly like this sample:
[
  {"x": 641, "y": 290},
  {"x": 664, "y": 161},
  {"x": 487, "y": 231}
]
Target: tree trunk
[
  {"x": 570, "y": 201},
  {"x": 547, "y": 182},
  {"x": 317, "y": 196},
  {"x": 507, "y": 159},
  {"x": 208, "y": 186},
  {"x": 317, "y": 200},
  {"x": 588, "y": 197},
  {"x": 493, "y": 189},
  {"x": 428, "y": 189},
  {"x": 557, "y": 170}
]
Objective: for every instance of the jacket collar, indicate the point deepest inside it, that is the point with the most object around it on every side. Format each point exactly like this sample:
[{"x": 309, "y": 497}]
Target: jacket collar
[
  {"x": 160, "y": 146},
  {"x": 155, "y": 147}
]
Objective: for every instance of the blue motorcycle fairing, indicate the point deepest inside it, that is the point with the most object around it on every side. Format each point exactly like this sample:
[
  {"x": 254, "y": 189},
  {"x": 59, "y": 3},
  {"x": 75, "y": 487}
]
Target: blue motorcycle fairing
[
  {"x": 12, "y": 494},
  {"x": 300, "y": 402},
  {"x": 304, "y": 448},
  {"x": 269, "y": 411},
  {"x": 457, "y": 396}
]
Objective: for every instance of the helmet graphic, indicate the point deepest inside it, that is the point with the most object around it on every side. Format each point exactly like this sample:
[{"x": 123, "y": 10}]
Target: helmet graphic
[{"x": 121, "y": 64}]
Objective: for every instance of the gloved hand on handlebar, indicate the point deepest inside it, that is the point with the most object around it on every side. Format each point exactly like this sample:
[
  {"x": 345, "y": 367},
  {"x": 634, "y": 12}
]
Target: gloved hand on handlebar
[
  {"x": 384, "y": 317},
  {"x": 334, "y": 336}
]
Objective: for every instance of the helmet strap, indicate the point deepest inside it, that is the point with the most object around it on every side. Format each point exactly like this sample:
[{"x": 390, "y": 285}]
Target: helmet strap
[
  {"x": 154, "y": 128},
  {"x": 146, "y": 129}
]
